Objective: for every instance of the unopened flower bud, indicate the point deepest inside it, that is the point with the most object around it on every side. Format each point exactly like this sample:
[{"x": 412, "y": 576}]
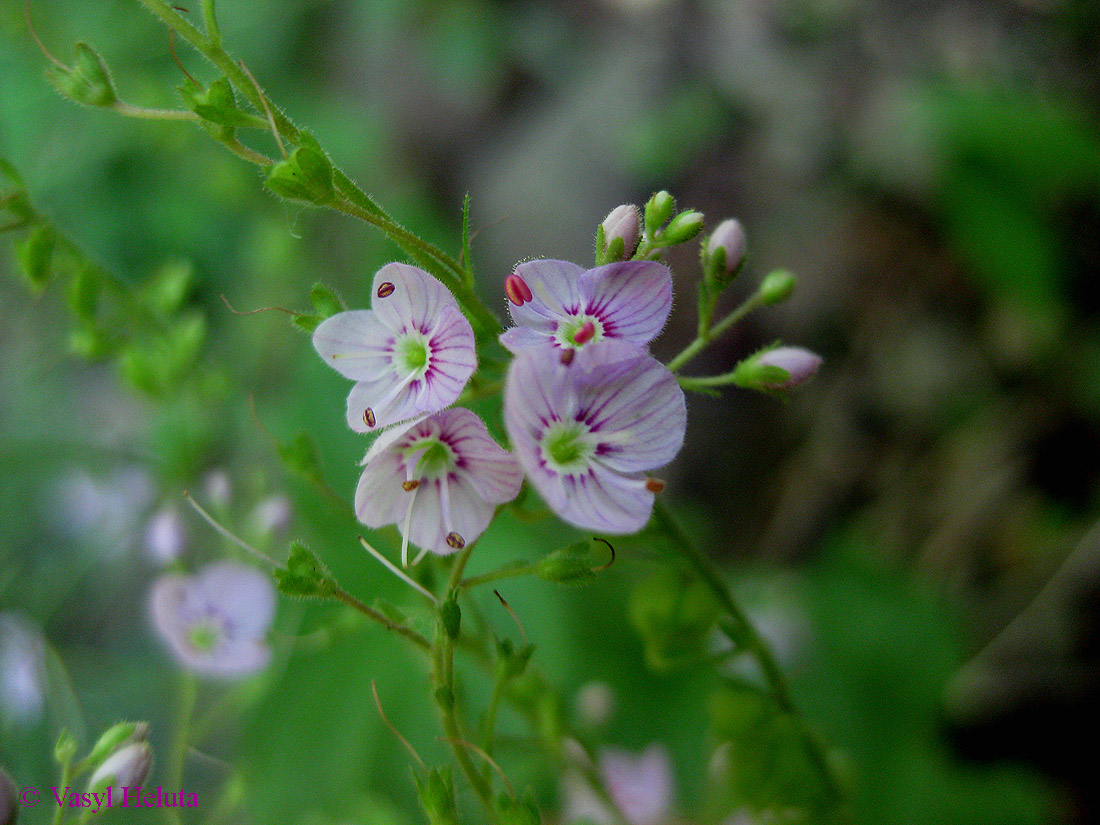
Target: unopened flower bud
[
  {"x": 124, "y": 733},
  {"x": 683, "y": 227},
  {"x": 782, "y": 368},
  {"x": 725, "y": 251},
  {"x": 9, "y": 809},
  {"x": 776, "y": 287},
  {"x": 620, "y": 233},
  {"x": 125, "y": 768},
  {"x": 658, "y": 210}
]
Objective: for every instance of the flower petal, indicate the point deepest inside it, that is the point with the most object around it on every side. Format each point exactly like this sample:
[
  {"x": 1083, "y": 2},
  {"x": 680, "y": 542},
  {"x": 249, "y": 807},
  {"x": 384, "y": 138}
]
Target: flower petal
[
  {"x": 242, "y": 596},
  {"x": 356, "y": 344},
  {"x": 515, "y": 339},
  {"x": 492, "y": 472},
  {"x": 414, "y": 303},
  {"x": 469, "y": 515},
  {"x": 631, "y": 298},
  {"x": 379, "y": 497},
  {"x": 554, "y": 290}
]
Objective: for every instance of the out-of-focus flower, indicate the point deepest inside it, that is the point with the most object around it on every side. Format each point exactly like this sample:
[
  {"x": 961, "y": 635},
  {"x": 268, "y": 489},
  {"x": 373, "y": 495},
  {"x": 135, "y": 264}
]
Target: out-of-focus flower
[
  {"x": 410, "y": 354},
  {"x": 585, "y": 432},
  {"x": 640, "y": 784},
  {"x": 273, "y": 514},
  {"x": 218, "y": 488},
  {"x": 165, "y": 536},
  {"x": 22, "y": 671},
  {"x": 215, "y": 622},
  {"x": 440, "y": 481},
  {"x": 569, "y": 308},
  {"x": 125, "y": 768},
  {"x": 595, "y": 703},
  {"x": 104, "y": 510}
]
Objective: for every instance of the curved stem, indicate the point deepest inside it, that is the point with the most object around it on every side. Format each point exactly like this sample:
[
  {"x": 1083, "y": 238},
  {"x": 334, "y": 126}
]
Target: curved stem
[
  {"x": 371, "y": 613},
  {"x": 185, "y": 711},
  {"x": 125, "y": 109},
  {"x": 752, "y": 640}
]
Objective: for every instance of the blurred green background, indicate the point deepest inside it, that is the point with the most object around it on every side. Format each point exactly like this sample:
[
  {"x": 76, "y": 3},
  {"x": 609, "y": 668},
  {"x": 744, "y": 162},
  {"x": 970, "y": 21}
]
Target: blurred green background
[{"x": 930, "y": 170}]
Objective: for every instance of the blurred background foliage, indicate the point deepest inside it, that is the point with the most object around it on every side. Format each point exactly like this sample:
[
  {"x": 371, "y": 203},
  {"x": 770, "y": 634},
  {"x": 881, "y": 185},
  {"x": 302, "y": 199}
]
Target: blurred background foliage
[{"x": 931, "y": 170}]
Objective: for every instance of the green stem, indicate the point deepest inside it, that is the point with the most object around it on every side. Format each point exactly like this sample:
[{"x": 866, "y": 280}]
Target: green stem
[
  {"x": 387, "y": 623},
  {"x": 444, "y": 685},
  {"x": 508, "y": 571},
  {"x": 752, "y": 640},
  {"x": 188, "y": 692},
  {"x": 127, "y": 110},
  {"x": 704, "y": 338},
  {"x": 210, "y": 21}
]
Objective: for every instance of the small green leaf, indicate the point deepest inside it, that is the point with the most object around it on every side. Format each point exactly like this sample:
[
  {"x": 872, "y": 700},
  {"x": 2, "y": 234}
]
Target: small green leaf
[
  {"x": 84, "y": 292},
  {"x": 216, "y": 104},
  {"x": 35, "y": 256},
  {"x": 305, "y": 176},
  {"x": 568, "y": 565},
  {"x": 87, "y": 81},
  {"x": 437, "y": 797},
  {"x": 511, "y": 662},
  {"x": 325, "y": 301},
  {"x": 307, "y": 322},
  {"x": 515, "y": 811},
  {"x": 450, "y": 615},
  {"x": 65, "y": 748},
  {"x": 304, "y": 575}
]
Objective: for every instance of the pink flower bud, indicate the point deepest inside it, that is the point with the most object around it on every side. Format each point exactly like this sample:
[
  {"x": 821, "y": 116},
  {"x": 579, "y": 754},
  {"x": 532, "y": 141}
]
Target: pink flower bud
[
  {"x": 125, "y": 768},
  {"x": 729, "y": 237},
  {"x": 799, "y": 364},
  {"x": 622, "y": 223}
]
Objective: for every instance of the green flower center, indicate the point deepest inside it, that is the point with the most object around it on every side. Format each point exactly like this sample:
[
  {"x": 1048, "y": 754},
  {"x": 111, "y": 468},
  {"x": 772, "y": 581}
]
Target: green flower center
[
  {"x": 433, "y": 458},
  {"x": 569, "y": 330},
  {"x": 204, "y": 636},
  {"x": 566, "y": 448},
  {"x": 411, "y": 354}
]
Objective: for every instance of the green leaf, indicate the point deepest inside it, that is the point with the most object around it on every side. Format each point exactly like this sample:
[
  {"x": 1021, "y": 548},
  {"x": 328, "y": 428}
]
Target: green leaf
[
  {"x": 325, "y": 301},
  {"x": 84, "y": 291},
  {"x": 168, "y": 289},
  {"x": 305, "y": 176},
  {"x": 450, "y": 615},
  {"x": 307, "y": 322},
  {"x": 515, "y": 811},
  {"x": 35, "y": 256},
  {"x": 300, "y": 455},
  {"x": 437, "y": 797},
  {"x": 216, "y": 104},
  {"x": 511, "y": 662}
]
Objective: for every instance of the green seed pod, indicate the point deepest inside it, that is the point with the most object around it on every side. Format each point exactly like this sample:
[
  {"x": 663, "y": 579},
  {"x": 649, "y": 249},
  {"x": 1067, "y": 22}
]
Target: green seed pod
[{"x": 87, "y": 81}]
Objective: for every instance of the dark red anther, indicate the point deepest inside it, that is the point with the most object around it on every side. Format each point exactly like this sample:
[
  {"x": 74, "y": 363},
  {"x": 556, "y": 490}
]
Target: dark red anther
[
  {"x": 654, "y": 485},
  {"x": 567, "y": 356},
  {"x": 517, "y": 290},
  {"x": 585, "y": 334},
  {"x": 385, "y": 290}
]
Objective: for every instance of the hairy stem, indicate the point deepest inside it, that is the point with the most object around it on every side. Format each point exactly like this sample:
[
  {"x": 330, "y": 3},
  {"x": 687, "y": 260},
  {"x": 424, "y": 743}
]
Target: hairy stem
[
  {"x": 702, "y": 339},
  {"x": 387, "y": 623}
]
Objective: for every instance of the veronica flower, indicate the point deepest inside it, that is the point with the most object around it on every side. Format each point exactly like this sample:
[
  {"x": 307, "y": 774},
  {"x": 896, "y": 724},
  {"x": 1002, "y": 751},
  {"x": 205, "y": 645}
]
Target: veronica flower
[
  {"x": 641, "y": 785},
  {"x": 559, "y": 303},
  {"x": 410, "y": 354},
  {"x": 585, "y": 431},
  {"x": 215, "y": 622},
  {"x": 440, "y": 480},
  {"x": 22, "y": 671}
]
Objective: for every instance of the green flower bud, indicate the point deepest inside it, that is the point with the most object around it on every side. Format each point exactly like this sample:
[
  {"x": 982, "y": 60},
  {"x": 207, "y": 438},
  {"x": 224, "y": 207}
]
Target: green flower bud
[
  {"x": 84, "y": 291},
  {"x": 65, "y": 749},
  {"x": 437, "y": 797},
  {"x": 569, "y": 565},
  {"x": 776, "y": 287},
  {"x": 683, "y": 228},
  {"x": 36, "y": 255},
  {"x": 305, "y": 176},
  {"x": 216, "y": 104},
  {"x": 304, "y": 575},
  {"x": 87, "y": 81},
  {"x": 325, "y": 301},
  {"x": 9, "y": 802},
  {"x": 113, "y": 737},
  {"x": 658, "y": 210}
]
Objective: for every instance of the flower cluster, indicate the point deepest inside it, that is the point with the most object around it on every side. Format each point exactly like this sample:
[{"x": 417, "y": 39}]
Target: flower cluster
[
  {"x": 435, "y": 472},
  {"x": 588, "y": 410}
]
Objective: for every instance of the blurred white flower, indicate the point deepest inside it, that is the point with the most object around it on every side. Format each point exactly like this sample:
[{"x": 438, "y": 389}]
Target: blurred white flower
[
  {"x": 595, "y": 704},
  {"x": 215, "y": 622},
  {"x": 165, "y": 536},
  {"x": 272, "y": 515},
  {"x": 22, "y": 671},
  {"x": 640, "y": 784},
  {"x": 105, "y": 511},
  {"x": 217, "y": 488}
]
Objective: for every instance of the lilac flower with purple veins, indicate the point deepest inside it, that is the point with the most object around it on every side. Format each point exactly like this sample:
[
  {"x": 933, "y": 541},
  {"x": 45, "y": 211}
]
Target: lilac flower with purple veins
[
  {"x": 410, "y": 354},
  {"x": 586, "y": 431},
  {"x": 215, "y": 622},
  {"x": 559, "y": 303},
  {"x": 440, "y": 481}
]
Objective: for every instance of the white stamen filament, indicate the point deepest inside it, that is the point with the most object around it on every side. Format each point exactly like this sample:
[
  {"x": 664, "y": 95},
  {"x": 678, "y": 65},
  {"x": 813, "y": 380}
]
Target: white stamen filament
[
  {"x": 405, "y": 529},
  {"x": 445, "y": 504}
]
